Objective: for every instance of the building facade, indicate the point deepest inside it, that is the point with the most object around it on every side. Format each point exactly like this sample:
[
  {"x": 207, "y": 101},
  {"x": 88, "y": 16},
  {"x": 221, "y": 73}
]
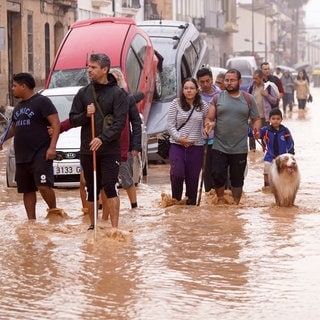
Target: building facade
[{"x": 31, "y": 32}]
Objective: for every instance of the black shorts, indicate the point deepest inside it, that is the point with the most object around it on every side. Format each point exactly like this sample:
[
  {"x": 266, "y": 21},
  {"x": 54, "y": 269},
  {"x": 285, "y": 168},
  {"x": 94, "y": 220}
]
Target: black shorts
[
  {"x": 235, "y": 162},
  {"x": 107, "y": 170},
  {"x": 37, "y": 173}
]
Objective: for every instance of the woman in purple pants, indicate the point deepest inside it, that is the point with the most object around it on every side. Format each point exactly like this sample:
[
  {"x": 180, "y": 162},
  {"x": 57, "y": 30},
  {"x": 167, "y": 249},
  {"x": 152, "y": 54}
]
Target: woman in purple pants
[{"x": 185, "y": 125}]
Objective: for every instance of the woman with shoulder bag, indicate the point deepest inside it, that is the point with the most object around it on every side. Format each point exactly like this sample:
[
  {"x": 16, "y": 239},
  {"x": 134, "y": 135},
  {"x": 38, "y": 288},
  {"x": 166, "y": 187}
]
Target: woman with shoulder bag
[{"x": 185, "y": 125}]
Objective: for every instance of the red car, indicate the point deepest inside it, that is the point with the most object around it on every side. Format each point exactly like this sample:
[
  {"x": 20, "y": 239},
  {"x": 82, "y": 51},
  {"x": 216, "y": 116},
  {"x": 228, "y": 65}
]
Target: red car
[{"x": 128, "y": 47}]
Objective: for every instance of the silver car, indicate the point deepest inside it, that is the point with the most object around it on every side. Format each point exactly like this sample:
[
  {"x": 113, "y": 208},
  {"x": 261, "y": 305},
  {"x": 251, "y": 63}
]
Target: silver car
[
  {"x": 183, "y": 51},
  {"x": 66, "y": 167}
]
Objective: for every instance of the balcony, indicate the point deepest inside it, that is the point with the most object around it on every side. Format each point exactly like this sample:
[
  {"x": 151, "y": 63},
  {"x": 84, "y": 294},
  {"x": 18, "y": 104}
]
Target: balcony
[
  {"x": 65, "y": 3},
  {"x": 101, "y": 3},
  {"x": 130, "y": 8}
]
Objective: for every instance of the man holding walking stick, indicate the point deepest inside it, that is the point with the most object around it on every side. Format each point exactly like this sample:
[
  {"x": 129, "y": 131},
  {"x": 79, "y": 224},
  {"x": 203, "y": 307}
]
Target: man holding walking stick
[{"x": 107, "y": 103}]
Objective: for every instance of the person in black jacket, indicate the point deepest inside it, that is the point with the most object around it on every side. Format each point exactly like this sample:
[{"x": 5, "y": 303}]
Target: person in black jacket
[{"x": 102, "y": 93}]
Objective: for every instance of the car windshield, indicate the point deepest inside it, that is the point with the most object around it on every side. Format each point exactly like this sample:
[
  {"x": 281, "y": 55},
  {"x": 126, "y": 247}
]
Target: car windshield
[
  {"x": 169, "y": 72},
  {"x": 69, "y": 78}
]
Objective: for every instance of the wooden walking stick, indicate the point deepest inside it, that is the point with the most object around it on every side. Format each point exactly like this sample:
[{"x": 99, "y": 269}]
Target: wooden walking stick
[
  {"x": 203, "y": 170},
  {"x": 94, "y": 160}
]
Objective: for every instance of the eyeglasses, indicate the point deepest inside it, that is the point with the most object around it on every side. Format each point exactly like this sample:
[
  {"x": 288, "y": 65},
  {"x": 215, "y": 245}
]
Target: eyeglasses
[
  {"x": 230, "y": 80},
  {"x": 189, "y": 88}
]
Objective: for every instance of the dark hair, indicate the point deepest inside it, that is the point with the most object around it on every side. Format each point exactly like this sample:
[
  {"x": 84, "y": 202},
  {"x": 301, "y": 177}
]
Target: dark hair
[
  {"x": 304, "y": 75},
  {"x": 197, "y": 103},
  {"x": 102, "y": 59},
  {"x": 275, "y": 112},
  {"x": 259, "y": 73},
  {"x": 204, "y": 72},
  {"x": 24, "y": 78},
  {"x": 220, "y": 75},
  {"x": 237, "y": 72},
  {"x": 264, "y": 64}
]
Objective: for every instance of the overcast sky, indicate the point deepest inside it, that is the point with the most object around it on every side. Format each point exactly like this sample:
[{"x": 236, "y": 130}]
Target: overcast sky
[{"x": 312, "y": 13}]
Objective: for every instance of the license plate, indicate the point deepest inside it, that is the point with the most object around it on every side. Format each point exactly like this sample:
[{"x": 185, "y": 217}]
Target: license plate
[{"x": 66, "y": 169}]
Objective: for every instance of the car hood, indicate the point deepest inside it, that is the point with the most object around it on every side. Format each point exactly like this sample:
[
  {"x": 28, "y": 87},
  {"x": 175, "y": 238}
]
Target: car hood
[
  {"x": 157, "y": 120},
  {"x": 69, "y": 139}
]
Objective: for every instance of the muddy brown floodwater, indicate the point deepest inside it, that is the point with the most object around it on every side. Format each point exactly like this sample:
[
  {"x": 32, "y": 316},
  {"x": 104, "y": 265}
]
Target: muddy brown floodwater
[{"x": 252, "y": 261}]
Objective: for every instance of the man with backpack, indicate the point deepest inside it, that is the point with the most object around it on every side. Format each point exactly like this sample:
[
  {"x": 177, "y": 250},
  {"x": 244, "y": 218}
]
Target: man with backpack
[{"x": 229, "y": 115}]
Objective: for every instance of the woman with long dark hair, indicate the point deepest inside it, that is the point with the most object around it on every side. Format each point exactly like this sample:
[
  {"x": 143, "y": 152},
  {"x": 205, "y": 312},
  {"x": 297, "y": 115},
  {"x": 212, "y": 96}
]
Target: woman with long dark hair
[
  {"x": 302, "y": 93},
  {"x": 185, "y": 125}
]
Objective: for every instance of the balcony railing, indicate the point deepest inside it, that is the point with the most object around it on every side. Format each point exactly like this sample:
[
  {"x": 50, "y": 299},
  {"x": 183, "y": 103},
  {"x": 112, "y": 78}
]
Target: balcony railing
[{"x": 101, "y": 3}]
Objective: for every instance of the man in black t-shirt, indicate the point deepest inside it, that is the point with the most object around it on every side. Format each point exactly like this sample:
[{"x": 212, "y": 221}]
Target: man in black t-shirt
[{"x": 34, "y": 148}]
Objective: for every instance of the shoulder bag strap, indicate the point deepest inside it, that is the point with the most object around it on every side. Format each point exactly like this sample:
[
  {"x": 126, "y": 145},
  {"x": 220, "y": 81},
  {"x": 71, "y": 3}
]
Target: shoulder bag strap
[
  {"x": 186, "y": 120},
  {"x": 96, "y": 101}
]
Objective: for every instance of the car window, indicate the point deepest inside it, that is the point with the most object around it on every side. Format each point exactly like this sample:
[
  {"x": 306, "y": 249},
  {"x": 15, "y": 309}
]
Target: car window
[
  {"x": 133, "y": 70},
  {"x": 62, "y": 104},
  {"x": 135, "y": 62},
  {"x": 185, "y": 67},
  {"x": 139, "y": 45},
  {"x": 191, "y": 57},
  {"x": 69, "y": 78},
  {"x": 168, "y": 75}
]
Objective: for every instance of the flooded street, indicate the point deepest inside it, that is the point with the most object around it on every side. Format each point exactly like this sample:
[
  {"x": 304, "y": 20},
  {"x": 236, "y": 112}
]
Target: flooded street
[{"x": 252, "y": 261}]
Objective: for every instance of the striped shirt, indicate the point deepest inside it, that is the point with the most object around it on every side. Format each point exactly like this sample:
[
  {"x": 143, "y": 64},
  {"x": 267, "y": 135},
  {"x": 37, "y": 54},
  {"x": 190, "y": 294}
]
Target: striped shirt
[{"x": 193, "y": 129}]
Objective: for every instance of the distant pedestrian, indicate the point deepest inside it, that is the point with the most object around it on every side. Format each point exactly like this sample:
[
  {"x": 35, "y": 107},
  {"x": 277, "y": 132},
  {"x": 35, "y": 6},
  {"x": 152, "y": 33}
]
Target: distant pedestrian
[
  {"x": 302, "y": 93},
  {"x": 288, "y": 97},
  {"x": 229, "y": 117},
  {"x": 185, "y": 125},
  {"x": 34, "y": 148},
  {"x": 219, "y": 81}
]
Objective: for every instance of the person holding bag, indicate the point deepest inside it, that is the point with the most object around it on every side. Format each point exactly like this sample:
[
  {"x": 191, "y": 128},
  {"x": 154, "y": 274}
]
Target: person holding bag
[{"x": 185, "y": 125}]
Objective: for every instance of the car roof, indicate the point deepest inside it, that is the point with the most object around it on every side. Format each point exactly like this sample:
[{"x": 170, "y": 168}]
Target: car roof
[{"x": 82, "y": 42}]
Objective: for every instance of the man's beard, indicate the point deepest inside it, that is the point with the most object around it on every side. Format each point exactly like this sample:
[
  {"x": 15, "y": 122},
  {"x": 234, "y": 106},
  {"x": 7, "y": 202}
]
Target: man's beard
[{"x": 233, "y": 90}]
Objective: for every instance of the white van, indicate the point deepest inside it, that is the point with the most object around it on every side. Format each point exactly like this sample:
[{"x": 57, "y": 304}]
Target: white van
[{"x": 245, "y": 64}]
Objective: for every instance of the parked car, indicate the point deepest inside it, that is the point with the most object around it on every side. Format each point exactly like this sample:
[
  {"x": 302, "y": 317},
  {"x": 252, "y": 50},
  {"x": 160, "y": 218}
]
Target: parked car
[
  {"x": 129, "y": 49},
  {"x": 182, "y": 51},
  {"x": 66, "y": 167},
  {"x": 217, "y": 70},
  {"x": 245, "y": 64}
]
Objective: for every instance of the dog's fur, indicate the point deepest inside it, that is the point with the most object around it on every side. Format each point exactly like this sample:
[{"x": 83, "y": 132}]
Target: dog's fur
[{"x": 284, "y": 178}]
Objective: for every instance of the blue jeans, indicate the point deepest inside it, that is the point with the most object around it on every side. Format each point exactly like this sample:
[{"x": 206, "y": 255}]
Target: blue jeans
[{"x": 185, "y": 167}]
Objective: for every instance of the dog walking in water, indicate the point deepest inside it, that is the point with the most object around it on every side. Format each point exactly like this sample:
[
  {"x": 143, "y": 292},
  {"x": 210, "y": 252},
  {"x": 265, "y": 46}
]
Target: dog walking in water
[{"x": 284, "y": 178}]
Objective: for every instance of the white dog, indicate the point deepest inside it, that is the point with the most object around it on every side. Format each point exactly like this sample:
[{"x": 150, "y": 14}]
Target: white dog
[{"x": 284, "y": 179}]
